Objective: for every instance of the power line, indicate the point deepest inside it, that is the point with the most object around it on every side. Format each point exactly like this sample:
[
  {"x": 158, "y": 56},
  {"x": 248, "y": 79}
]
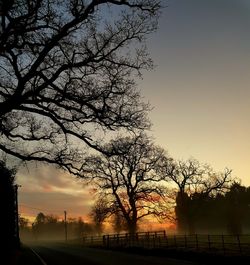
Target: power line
[{"x": 40, "y": 209}]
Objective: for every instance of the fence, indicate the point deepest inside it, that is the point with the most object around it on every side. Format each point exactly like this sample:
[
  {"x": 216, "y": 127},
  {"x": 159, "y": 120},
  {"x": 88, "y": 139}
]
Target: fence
[{"x": 221, "y": 244}]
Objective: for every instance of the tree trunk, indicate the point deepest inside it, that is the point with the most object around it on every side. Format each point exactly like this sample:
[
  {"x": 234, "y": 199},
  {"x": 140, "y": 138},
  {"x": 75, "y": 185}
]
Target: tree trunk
[{"x": 132, "y": 227}]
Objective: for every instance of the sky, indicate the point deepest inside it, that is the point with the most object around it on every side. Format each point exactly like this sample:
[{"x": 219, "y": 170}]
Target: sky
[
  {"x": 200, "y": 96},
  {"x": 200, "y": 87}
]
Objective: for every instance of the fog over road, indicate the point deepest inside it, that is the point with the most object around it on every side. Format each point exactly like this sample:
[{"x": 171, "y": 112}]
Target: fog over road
[{"x": 56, "y": 254}]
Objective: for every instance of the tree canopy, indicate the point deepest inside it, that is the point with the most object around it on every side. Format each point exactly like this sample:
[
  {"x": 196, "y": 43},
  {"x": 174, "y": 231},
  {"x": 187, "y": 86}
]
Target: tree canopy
[
  {"x": 131, "y": 179},
  {"x": 194, "y": 183},
  {"x": 67, "y": 70}
]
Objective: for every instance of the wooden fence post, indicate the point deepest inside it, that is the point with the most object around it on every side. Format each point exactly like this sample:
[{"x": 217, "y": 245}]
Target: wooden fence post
[
  {"x": 223, "y": 243},
  {"x": 107, "y": 241},
  {"x": 239, "y": 243},
  {"x": 196, "y": 241},
  {"x": 148, "y": 236},
  {"x": 209, "y": 242},
  {"x": 185, "y": 238},
  {"x": 104, "y": 241}
]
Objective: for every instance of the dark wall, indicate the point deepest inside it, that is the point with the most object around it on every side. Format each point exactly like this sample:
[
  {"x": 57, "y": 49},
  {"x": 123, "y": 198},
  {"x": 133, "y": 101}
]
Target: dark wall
[{"x": 8, "y": 208}]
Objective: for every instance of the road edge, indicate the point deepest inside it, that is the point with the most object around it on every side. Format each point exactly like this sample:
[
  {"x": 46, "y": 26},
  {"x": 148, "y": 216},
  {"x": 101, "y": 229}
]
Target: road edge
[{"x": 38, "y": 256}]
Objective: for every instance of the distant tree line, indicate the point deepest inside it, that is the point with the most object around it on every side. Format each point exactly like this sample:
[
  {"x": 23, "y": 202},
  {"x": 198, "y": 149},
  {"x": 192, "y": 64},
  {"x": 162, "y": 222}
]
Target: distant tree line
[{"x": 50, "y": 227}]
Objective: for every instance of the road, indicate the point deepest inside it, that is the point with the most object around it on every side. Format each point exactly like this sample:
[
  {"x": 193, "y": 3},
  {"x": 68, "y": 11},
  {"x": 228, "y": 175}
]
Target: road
[{"x": 69, "y": 255}]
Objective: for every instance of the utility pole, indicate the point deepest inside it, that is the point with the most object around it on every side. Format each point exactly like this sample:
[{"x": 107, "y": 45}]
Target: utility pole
[
  {"x": 17, "y": 213},
  {"x": 65, "y": 226}
]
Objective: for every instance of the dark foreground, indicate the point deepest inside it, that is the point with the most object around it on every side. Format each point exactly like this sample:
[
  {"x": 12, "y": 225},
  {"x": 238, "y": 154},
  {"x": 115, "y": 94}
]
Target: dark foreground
[{"x": 60, "y": 254}]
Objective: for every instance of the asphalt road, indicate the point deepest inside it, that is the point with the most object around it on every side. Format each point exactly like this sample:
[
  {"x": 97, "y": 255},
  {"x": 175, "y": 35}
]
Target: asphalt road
[{"x": 69, "y": 255}]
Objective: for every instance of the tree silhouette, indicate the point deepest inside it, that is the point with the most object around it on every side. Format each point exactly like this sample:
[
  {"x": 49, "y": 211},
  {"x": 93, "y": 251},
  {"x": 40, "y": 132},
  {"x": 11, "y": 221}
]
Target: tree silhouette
[
  {"x": 67, "y": 73},
  {"x": 226, "y": 212},
  {"x": 23, "y": 222},
  {"x": 237, "y": 204},
  {"x": 118, "y": 222},
  {"x": 194, "y": 182},
  {"x": 130, "y": 180},
  {"x": 99, "y": 212}
]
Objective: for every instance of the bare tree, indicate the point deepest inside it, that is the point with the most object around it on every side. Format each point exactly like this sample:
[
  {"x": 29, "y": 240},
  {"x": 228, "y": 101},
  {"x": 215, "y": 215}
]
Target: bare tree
[
  {"x": 194, "y": 181},
  {"x": 130, "y": 179},
  {"x": 118, "y": 222},
  {"x": 67, "y": 70},
  {"x": 99, "y": 213}
]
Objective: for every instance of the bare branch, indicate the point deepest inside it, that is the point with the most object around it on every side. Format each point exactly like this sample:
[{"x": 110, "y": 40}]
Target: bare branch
[{"x": 67, "y": 73}]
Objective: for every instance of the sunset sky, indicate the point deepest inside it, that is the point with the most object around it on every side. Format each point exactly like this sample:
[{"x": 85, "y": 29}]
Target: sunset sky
[{"x": 200, "y": 94}]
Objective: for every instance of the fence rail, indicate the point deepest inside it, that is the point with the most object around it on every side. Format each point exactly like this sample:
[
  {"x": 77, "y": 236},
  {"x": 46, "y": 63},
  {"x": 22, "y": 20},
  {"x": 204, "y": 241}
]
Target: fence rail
[{"x": 223, "y": 244}]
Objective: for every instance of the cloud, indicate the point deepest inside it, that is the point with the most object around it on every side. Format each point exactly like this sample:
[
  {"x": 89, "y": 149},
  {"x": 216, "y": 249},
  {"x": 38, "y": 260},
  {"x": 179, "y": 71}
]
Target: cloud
[{"x": 49, "y": 190}]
